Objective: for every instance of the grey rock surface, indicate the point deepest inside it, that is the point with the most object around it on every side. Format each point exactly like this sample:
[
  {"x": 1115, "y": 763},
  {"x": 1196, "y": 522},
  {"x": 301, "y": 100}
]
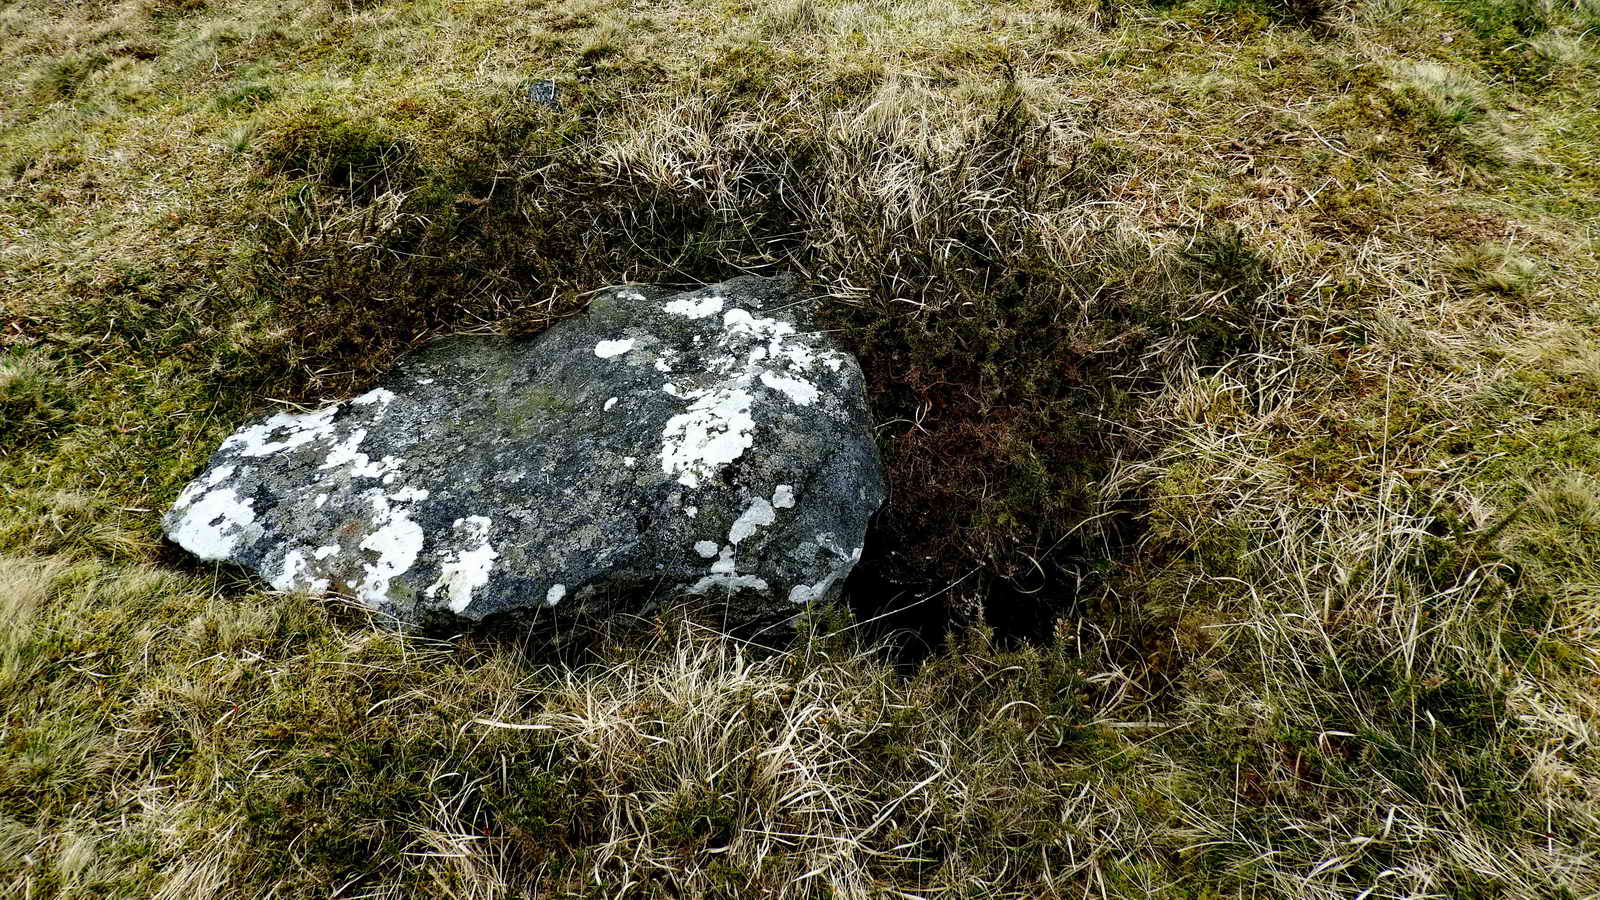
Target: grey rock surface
[
  {"x": 542, "y": 92},
  {"x": 709, "y": 444}
]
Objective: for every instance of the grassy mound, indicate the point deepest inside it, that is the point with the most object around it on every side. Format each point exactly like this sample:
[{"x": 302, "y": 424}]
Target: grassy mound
[{"x": 1239, "y": 354}]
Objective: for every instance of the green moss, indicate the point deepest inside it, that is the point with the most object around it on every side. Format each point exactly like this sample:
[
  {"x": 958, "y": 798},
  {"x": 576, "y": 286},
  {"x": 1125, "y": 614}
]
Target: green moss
[
  {"x": 530, "y": 407},
  {"x": 1242, "y": 19},
  {"x": 1503, "y": 29},
  {"x": 362, "y": 156},
  {"x": 245, "y": 95},
  {"x": 698, "y": 817}
]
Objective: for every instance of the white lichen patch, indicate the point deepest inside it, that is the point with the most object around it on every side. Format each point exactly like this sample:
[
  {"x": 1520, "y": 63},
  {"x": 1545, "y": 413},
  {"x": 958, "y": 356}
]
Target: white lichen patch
[
  {"x": 211, "y": 520},
  {"x": 715, "y": 430},
  {"x": 759, "y": 515},
  {"x": 765, "y": 349},
  {"x": 283, "y": 431},
  {"x": 346, "y": 451},
  {"x": 739, "y": 324},
  {"x": 800, "y": 357},
  {"x": 807, "y": 593},
  {"x": 742, "y": 331},
  {"x": 731, "y": 583},
  {"x": 696, "y": 308},
  {"x": 609, "y": 349},
  {"x": 467, "y": 568},
  {"x": 802, "y": 392},
  {"x": 286, "y": 431},
  {"x": 395, "y": 538},
  {"x": 556, "y": 592},
  {"x": 706, "y": 549},
  {"x": 297, "y": 575},
  {"x": 383, "y": 468},
  {"x": 666, "y": 359},
  {"x": 199, "y": 486},
  {"x": 783, "y": 497},
  {"x": 725, "y": 574},
  {"x": 376, "y": 395},
  {"x": 803, "y": 594}
]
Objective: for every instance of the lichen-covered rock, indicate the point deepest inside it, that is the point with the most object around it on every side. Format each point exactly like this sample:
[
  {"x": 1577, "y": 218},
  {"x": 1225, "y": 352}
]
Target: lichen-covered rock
[{"x": 708, "y": 444}]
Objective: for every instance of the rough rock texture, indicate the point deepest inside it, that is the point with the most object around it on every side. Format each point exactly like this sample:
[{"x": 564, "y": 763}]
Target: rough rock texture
[{"x": 707, "y": 444}]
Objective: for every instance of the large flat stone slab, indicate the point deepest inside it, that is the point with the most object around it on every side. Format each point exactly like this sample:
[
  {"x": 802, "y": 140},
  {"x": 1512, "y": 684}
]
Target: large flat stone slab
[{"x": 709, "y": 444}]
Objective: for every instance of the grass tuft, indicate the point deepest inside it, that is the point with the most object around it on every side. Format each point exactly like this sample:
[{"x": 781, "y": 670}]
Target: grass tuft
[{"x": 35, "y": 401}]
